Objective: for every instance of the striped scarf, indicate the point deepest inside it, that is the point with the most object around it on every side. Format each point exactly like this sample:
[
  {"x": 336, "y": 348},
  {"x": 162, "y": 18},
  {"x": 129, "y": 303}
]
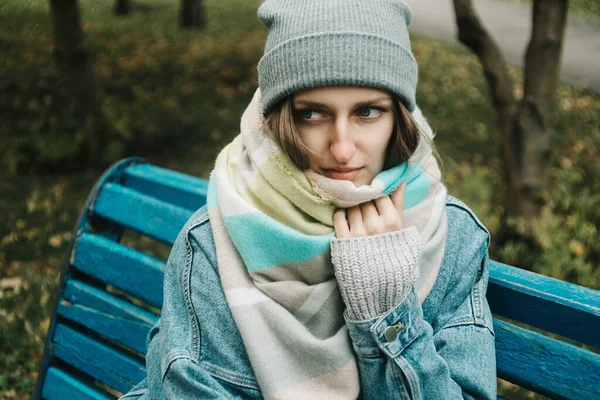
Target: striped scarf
[{"x": 272, "y": 224}]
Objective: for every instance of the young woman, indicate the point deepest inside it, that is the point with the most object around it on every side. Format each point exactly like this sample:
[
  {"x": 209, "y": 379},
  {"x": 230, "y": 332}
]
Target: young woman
[{"x": 329, "y": 262}]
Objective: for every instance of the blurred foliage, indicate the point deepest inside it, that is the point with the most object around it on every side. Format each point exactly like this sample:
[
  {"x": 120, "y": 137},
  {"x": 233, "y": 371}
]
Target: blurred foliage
[
  {"x": 162, "y": 87},
  {"x": 35, "y": 228},
  {"x": 175, "y": 98}
]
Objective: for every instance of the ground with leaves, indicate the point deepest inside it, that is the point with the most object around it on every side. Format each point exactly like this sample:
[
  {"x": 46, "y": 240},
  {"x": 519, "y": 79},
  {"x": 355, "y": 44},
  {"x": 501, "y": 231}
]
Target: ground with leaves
[{"x": 176, "y": 97}]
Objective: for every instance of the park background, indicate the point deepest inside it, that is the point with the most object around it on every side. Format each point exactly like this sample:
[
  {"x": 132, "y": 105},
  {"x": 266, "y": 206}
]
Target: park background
[{"x": 174, "y": 96}]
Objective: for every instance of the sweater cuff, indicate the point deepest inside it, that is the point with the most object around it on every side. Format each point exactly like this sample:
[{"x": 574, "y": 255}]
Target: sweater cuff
[{"x": 376, "y": 272}]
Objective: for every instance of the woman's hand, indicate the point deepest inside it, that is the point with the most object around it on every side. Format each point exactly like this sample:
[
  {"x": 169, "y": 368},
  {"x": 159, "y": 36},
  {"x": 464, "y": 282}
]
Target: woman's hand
[{"x": 371, "y": 218}]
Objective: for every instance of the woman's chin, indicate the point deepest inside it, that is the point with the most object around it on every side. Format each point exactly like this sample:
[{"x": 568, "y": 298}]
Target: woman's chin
[{"x": 362, "y": 182}]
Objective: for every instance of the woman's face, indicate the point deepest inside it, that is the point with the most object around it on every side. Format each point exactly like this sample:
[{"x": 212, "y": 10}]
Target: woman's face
[{"x": 347, "y": 130}]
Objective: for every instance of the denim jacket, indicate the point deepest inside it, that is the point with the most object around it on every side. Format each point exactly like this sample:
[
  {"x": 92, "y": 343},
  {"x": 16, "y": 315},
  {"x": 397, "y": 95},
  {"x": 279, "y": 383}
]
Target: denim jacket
[{"x": 442, "y": 349}]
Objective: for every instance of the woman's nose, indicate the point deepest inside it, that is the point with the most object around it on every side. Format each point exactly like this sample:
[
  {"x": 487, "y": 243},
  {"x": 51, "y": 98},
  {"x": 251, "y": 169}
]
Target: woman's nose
[{"x": 342, "y": 145}]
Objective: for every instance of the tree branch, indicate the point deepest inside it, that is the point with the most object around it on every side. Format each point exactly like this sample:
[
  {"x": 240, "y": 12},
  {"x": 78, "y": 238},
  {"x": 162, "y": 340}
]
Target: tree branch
[{"x": 473, "y": 34}]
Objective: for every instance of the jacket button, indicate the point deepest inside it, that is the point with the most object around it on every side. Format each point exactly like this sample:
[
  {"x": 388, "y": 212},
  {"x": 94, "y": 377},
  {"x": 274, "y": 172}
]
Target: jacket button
[{"x": 391, "y": 332}]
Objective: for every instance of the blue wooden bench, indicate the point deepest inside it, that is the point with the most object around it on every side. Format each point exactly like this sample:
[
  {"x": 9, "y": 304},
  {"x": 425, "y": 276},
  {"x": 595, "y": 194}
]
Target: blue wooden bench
[{"x": 111, "y": 294}]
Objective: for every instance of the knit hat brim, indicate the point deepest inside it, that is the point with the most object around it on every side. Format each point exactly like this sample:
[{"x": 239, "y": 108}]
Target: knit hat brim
[{"x": 361, "y": 59}]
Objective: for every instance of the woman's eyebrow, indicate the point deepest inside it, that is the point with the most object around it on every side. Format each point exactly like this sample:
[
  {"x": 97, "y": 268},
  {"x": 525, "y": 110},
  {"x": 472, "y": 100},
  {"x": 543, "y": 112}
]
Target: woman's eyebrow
[
  {"x": 309, "y": 103},
  {"x": 382, "y": 99}
]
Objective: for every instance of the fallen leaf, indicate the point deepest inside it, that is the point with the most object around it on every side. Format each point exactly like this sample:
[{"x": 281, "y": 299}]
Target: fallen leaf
[
  {"x": 576, "y": 247},
  {"x": 10, "y": 283},
  {"x": 55, "y": 240}
]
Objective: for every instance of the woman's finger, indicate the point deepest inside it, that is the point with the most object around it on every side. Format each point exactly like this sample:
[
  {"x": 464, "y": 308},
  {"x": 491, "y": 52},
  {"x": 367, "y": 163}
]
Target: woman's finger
[
  {"x": 340, "y": 224},
  {"x": 398, "y": 198},
  {"x": 355, "y": 220},
  {"x": 371, "y": 218},
  {"x": 386, "y": 208}
]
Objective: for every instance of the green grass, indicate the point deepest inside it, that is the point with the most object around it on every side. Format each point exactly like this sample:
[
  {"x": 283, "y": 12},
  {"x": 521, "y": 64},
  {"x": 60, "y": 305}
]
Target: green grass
[{"x": 176, "y": 98}]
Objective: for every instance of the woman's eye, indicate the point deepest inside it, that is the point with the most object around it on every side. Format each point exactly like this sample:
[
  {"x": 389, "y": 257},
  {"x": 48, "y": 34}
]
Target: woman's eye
[
  {"x": 369, "y": 112},
  {"x": 309, "y": 114}
]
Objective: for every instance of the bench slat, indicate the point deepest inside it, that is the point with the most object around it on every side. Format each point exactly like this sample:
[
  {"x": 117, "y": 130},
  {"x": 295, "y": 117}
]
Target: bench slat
[
  {"x": 170, "y": 186},
  {"x": 129, "y": 270},
  {"x": 546, "y": 303},
  {"x": 61, "y": 385},
  {"x": 141, "y": 213},
  {"x": 99, "y": 360},
  {"x": 545, "y": 365},
  {"x": 107, "y": 315},
  {"x": 81, "y": 293}
]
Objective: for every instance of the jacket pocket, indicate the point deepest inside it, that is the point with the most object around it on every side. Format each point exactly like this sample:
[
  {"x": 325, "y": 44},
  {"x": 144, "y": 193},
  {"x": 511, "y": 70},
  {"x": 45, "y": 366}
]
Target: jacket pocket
[{"x": 474, "y": 310}]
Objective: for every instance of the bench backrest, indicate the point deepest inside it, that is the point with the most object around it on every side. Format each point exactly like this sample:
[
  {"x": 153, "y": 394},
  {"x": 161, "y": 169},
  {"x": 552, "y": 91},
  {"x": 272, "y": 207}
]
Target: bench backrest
[{"x": 111, "y": 295}]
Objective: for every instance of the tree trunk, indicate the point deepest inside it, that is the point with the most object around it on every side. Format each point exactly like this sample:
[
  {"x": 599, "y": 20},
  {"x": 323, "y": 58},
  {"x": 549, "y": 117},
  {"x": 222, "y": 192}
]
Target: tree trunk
[
  {"x": 473, "y": 34},
  {"x": 192, "y": 14},
  {"x": 123, "y": 7},
  {"x": 532, "y": 133},
  {"x": 525, "y": 126},
  {"x": 75, "y": 63}
]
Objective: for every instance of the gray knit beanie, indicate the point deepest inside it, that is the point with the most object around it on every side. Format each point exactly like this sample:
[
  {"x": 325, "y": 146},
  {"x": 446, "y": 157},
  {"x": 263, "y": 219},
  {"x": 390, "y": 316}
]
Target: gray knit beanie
[{"x": 313, "y": 43}]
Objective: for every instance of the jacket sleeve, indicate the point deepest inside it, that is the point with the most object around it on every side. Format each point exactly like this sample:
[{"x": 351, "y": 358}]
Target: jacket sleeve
[
  {"x": 173, "y": 367},
  {"x": 400, "y": 355},
  {"x": 182, "y": 378}
]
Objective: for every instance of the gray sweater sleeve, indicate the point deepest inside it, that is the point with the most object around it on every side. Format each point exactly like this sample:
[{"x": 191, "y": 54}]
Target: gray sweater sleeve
[{"x": 376, "y": 272}]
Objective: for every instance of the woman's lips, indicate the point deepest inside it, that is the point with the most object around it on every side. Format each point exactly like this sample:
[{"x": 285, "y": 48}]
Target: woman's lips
[{"x": 343, "y": 174}]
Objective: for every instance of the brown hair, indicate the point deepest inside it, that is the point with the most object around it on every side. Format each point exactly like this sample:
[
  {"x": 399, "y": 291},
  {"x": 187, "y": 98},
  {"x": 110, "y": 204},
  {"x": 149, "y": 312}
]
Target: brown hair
[{"x": 279, "y": 123}]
